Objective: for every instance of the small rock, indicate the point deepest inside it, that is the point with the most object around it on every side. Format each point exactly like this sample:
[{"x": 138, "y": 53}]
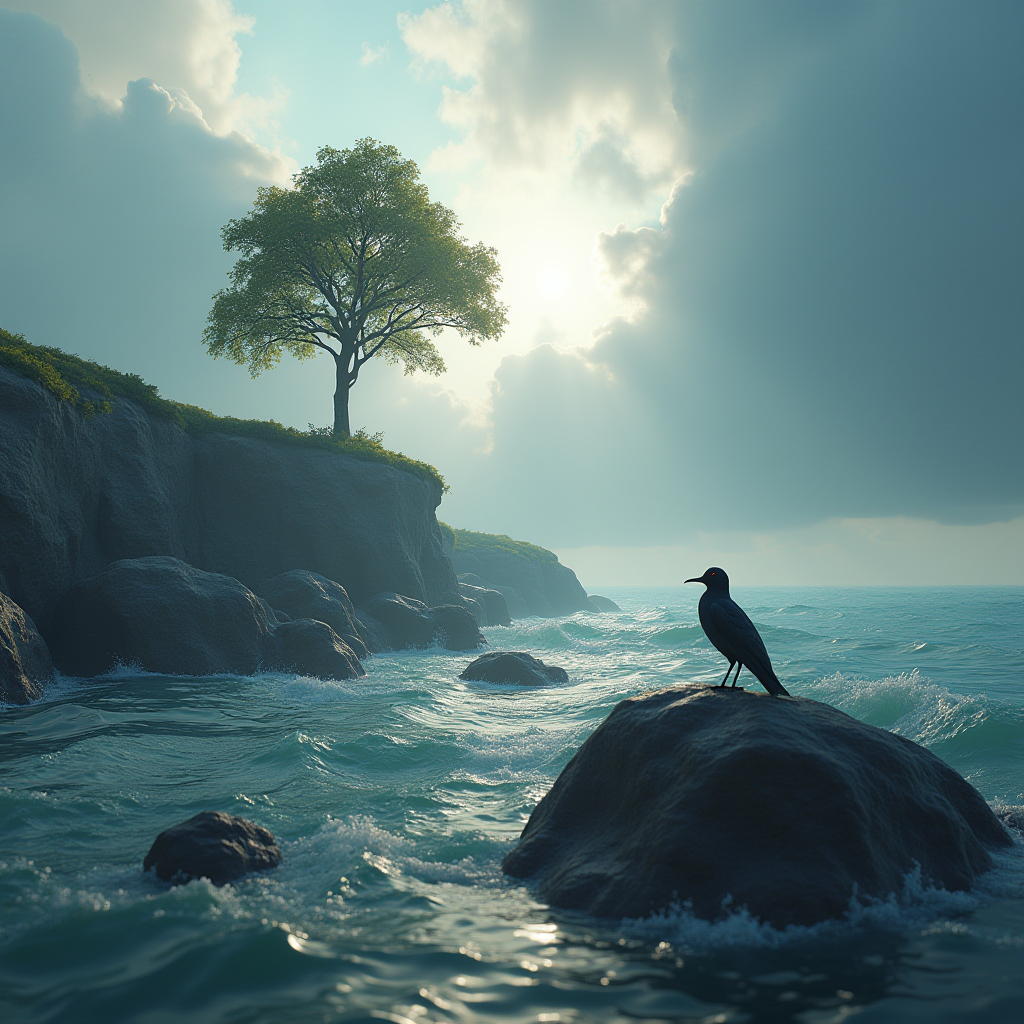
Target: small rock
[
  {"x": 513, "y": 667},
  {"x": 454, "y": 627},
  {"x": 311, "y": 648},
  {"x": 24, "y": 657},
  {"x": 410, "y": 623},
  {"x": 1012, "y": 817},
  {"x": 603, "y": 604},
  {"x": 213, "y": 845},
  {"x": 492, "y": 601},
  {"x": 301, "y": 594},
  {"x": 374, "y": 635}
]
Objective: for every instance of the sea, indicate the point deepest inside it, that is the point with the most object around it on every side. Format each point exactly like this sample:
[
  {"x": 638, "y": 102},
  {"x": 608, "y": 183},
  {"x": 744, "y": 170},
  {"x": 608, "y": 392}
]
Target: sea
[{"x": 394, "y": 799}]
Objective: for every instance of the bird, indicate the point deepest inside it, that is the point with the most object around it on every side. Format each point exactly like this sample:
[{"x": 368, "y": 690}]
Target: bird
[{"x": 728, "y": 628}]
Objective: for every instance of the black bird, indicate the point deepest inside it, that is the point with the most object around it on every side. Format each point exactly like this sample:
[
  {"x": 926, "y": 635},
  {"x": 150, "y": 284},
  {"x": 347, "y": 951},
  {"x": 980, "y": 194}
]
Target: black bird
[{"x": 729, "y": 629}]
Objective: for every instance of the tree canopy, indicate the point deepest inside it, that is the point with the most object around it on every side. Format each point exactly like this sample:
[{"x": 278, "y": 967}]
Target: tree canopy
[{"x": 354, "y": 260}]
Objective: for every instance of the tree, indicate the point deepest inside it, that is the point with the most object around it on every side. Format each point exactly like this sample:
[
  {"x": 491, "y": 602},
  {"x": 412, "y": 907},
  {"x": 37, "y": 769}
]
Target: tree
[{"x": 354, "y": 260}]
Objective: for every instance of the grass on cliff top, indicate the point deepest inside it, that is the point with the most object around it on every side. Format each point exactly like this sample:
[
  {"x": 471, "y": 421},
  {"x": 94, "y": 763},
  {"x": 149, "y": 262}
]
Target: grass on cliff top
[
  {"x": 469, "y": 542},
  {"x": 92, "y": 389}
]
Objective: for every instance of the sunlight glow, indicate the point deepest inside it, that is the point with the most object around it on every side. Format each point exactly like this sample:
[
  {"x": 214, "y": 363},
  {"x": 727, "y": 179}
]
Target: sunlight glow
[{"x": 552, "y": 282}]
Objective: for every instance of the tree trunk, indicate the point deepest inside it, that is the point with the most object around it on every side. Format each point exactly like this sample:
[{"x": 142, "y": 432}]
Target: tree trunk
[{"x": 341, "y": 423}]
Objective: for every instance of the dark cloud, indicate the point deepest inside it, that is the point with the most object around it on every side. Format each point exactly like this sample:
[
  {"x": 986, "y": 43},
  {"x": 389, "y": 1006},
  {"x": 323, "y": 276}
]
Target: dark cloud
[{"x": 834, "y": 317}]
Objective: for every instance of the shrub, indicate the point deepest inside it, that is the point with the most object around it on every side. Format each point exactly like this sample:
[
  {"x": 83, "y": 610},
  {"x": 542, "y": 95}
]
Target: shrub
[{"x": 468, "y": 541}]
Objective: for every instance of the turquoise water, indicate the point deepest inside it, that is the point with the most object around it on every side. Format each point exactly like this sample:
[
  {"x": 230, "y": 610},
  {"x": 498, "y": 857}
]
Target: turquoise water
[{"x": 395, "y": 797}]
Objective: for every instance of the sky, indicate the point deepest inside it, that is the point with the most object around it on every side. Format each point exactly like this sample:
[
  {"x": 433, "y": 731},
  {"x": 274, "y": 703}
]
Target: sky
[{"x": 764, "y": 263}]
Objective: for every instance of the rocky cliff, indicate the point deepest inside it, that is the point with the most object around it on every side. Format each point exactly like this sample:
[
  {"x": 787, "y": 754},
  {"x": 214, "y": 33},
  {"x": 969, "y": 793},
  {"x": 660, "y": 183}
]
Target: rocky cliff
[
  {"x": 531, "y": 578},
  {"x": 77, "y": 493}
]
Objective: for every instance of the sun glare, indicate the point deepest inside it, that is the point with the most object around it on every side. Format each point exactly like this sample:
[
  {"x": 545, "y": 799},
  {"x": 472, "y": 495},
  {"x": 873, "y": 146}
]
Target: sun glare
[{"x": 552, "y": 282}]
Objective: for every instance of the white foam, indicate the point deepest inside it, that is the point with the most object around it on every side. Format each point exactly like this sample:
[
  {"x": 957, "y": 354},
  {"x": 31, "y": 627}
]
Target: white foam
[{"x": 918, "y": 905}]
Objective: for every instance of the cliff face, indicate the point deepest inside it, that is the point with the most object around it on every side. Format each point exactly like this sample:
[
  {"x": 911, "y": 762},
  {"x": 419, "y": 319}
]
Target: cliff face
[
  {"x": 532, "y": 579},
  {"x": 76, "y": 494}
]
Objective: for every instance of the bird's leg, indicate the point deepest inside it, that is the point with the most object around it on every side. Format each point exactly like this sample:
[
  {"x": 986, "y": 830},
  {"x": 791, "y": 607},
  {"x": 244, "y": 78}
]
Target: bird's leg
[
  {"x": 727, "y": 671},
  {"x": 739, "y": 667}
]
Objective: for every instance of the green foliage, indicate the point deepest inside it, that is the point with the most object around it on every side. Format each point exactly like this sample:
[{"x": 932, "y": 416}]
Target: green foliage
[
  {"x": 353, "y": 260},
  {"x": 468, "y": 541},
  {"x": 67, "y": 376}
]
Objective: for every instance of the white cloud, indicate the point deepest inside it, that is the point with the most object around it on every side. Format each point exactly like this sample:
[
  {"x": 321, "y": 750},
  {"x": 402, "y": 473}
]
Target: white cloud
[
  {"x": 582, "y": 87},
  {"x": 122, "y": 206},
  {"x": 188, "y": 46},
  {"x": 372, "y": 54}
]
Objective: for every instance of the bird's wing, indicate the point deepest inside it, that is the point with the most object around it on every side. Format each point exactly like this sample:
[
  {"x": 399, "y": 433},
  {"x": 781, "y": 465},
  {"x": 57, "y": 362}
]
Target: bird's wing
[
  {"x": 731, "y": 624},
  {"x": 741, "y": 641}
]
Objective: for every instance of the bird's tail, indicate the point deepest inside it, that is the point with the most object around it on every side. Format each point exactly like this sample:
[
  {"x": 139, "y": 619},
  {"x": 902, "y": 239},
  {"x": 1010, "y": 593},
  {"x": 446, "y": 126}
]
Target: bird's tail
[{"x": 770, "y": 681}]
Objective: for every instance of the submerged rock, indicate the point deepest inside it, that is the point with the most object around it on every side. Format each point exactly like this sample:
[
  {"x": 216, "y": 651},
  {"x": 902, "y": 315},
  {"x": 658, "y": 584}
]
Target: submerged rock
[
  {"x": 301, "y": 594},
  {"x": 513, "y": 667},
  {"x": 311, "y": 648},
  {"x": 727, "y": 798},
  {"x": 24, "y": 657},
  {"x": 213, "y": 845},
  {"x": 163, "y": 614},
  {"x": 410, "y": 623}
]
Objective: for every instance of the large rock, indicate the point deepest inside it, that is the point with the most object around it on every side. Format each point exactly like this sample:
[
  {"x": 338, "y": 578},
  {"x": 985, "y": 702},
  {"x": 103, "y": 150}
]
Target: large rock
[
  {"x": 454, "y": 628},
  {"x": 492, "y": 601},
  {"x": 513, "y": 667},
  {"x": 410, "y": 623},
  {"x": 77, "y": 494},
  {"x": 374, "y": 635},
  {"x": 311, "y": 648},
  {"x": 164, "y": 615},
  {"x": 783, "y": 805},
  {"x": 167, "y": 616},
  {"x": 24, "y": 658},
  {"x": 302, "y": 594},
  {"x": 213, "y": 845},
  {"x": 514, "y": 601}
]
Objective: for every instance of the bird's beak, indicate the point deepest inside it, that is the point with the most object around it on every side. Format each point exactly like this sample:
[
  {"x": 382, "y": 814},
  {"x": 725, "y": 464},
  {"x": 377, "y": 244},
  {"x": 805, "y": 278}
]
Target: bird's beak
[{"x": 699, "y": 579}]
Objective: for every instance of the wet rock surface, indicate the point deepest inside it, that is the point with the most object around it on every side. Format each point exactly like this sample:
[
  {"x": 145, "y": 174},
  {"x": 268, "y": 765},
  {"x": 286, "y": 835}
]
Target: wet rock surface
[
  {"x": 603, "y": 604},
  {"x": 166, "y": 616},
  {"x": 77, "y": 494},
  {"x": 162, "y": 614},
  {"x": 513, "y": 667},
  {"x": 311, "y": 648},
  {"x": 410, "y": 623},
  {"x": 220, "y": 847},
  {"x": 492, "y": 603},
  {"x": 726, "y": 798},
  {"x": 24, "y": 657},
  {"x": 302, "y": 594}
]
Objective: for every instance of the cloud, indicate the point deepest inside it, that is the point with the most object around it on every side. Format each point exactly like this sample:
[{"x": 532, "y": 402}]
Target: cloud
[
  {"x": 832, "y": 298},
  {"x": 584, "y": 84},
  {"x": 372, "y": 54},
  {"x": 111, "y": 216},
  {"x": 188, "y": 46}
]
